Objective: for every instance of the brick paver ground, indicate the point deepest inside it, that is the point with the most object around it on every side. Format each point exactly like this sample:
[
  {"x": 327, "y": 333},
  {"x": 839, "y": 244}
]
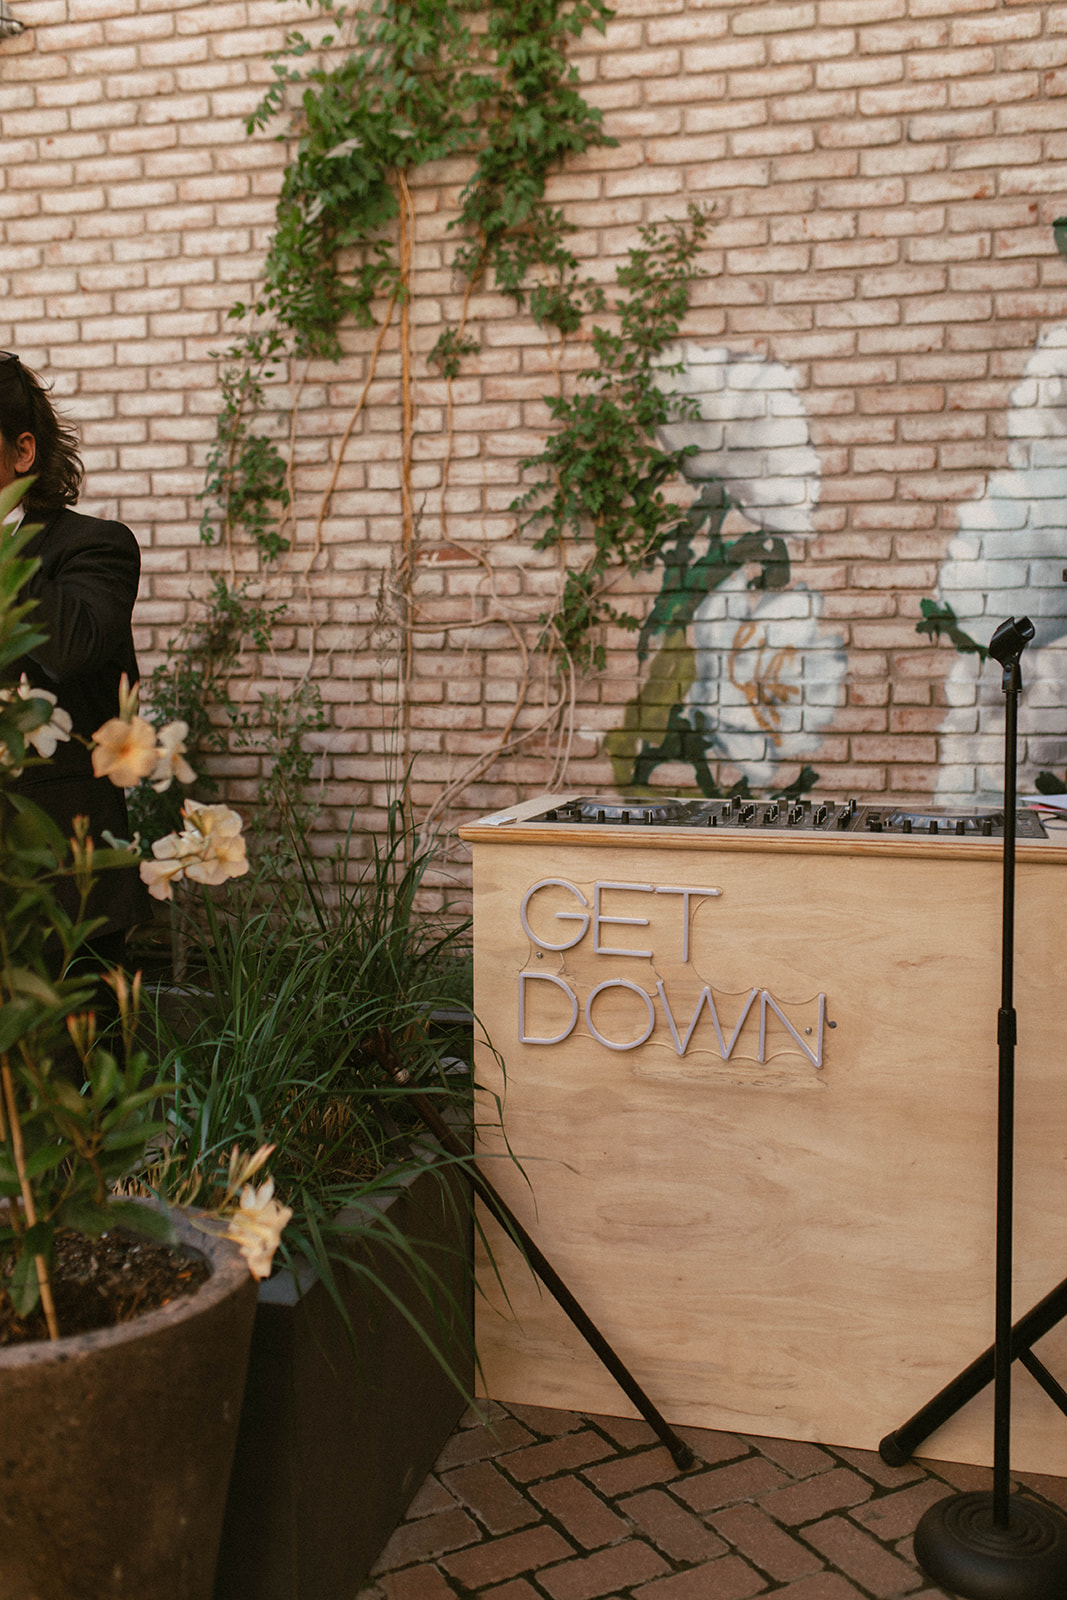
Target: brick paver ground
[{"x": 530, "y": 1504}]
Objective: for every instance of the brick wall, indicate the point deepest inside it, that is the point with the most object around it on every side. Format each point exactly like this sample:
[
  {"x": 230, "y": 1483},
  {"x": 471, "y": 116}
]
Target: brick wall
[{"x": 879, "y": 332}]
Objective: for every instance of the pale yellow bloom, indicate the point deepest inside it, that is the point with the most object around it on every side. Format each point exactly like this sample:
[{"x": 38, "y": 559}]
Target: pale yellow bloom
[
  {"x": 170, "y": 758},
  {"x": 209, "y": 850},
  {"x": 244, "y": 1168},
  {"x": 47, "y": 735},
  {"x": 160, "y": 876},
  {"x": 124, "y": 751},
  {"x": 209, "y": 819},
  {"x": 222, "y": 853},
  {"x": 257, "y": 1226},
  {"x": 167, "y": 867}
]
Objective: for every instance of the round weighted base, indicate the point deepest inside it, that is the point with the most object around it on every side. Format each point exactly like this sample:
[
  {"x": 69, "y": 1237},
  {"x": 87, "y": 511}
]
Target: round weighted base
[{"x": 960, "y": 1546}]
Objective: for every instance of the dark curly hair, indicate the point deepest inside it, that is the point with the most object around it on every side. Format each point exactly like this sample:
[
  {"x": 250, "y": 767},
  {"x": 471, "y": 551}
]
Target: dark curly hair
[{"x": 26, "y": 407}]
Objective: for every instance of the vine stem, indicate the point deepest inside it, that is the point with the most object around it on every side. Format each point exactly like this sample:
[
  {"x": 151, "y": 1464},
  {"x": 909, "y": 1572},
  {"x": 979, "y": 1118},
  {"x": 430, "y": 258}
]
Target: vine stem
[
  {"x": 407, "y": 561},
  {"x": 484, "y": 762},
  {"x": 568, "y": 701},
  {"x": 353, "y": 419},
  {"x": 324, "y": 504},
  {"x": 290, "y": 466},
  {"x": 446, "y": 466},
  {"x": 558, "y": 775},
  {"x": 19, "y": 1154}
]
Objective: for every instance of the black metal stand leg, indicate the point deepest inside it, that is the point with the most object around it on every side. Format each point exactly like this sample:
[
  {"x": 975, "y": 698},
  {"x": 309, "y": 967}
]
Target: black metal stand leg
[
  {"x": 900, "y": 1445},
  {"x": 998, "y": 1546},
  {"x": 681, "y": 1454}
]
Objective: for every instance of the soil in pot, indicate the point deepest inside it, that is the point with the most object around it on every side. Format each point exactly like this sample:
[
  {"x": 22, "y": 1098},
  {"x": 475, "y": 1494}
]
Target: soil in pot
[{"x": 98, "y": 1283}]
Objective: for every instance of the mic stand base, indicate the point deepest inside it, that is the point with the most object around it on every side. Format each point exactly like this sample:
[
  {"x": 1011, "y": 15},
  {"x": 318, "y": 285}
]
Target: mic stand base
[{"x": 960, "y": 1544}]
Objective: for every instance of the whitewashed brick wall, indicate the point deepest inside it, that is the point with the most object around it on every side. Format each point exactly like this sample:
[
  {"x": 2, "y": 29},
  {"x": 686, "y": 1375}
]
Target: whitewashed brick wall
[{"x": 885, "y": 174}]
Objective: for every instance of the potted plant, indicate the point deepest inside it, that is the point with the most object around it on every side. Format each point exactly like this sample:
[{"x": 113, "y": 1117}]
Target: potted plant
[
  {"x": 116, "y": 1442},
  {"x": 362, "y": 1355},
  {"x": 294, "y": 977}
]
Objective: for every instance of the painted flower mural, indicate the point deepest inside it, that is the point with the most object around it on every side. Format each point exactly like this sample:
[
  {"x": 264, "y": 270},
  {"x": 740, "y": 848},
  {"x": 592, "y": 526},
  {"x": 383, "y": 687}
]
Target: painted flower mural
[
  {"x": 744, "y": 672},
  {"x": 752, "y": 435},
  {"x": 765, "y": 681},
  {"x": 1008, "y": 560}
]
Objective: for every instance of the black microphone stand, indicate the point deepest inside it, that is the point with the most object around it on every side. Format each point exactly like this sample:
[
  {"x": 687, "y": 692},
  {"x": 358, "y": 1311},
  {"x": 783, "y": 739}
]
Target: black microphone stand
[{"x": 982, "y": 1545}]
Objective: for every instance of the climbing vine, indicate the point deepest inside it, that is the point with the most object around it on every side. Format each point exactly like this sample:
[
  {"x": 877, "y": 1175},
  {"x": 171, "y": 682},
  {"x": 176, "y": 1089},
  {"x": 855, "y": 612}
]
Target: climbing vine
[
  {"x": 602, "y": 472},
  {"x": 379, "y": 92},
  {"x": 416, "y": 83}
]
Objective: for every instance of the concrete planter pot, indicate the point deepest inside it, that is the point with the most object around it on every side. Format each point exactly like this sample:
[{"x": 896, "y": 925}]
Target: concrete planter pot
[
  {"x": 334, "y": 1441},
  {"x": 116, "y": 1446}
]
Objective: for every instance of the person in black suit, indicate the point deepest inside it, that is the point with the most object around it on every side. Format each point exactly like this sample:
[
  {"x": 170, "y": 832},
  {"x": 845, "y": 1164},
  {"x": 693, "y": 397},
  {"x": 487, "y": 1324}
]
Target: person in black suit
[{"x": 84, "y": 588}]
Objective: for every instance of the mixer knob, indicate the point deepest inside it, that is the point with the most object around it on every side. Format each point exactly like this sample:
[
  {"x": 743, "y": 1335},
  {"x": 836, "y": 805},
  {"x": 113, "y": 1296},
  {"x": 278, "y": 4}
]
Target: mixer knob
[
  {"x": 905, "y": 826},
  {"x": 551, "y": 816},
  {"x": 844, "y": 819},
  {"x": 796, "y": 814},
  {"x": 648, "y": 817},
  {"x": 771, "y": 815},
  {"x": 933, "y": 825},
  {"x": 600, "y": 816},
  {"x": 819, "y": 816},
  {"x": 961, "y": 826},
  {"x": 874, "y": 823},
  {"x": 987, "y": 827},
  {"x": 624, "y": 817}
]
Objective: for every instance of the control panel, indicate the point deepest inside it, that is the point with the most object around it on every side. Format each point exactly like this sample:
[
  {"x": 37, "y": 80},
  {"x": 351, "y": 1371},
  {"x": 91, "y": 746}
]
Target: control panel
[{"x": 789, "y": 814}]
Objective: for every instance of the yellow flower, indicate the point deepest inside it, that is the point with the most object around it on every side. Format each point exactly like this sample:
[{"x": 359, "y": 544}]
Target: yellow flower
[
  {"x": 222, "y": 852},
  {"x": 170, "y": 856},
  {"x": 46, "y": 735},
  {"x": 257, "y": 1226},
  {"x": 160, "y": 876},
  {"x": 209, "y": 850},
  {"x": 170, "y": 758},
  {"x": 124, "y": 751}
]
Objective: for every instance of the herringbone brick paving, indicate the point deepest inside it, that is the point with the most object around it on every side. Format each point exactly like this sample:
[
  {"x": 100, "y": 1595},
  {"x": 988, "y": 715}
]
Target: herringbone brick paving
[{"x": 526, "y": 1503}]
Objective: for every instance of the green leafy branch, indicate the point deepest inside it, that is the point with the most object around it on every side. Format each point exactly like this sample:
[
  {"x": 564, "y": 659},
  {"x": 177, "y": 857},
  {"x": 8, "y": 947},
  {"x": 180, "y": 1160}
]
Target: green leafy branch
[
  {"x": 602, "y": 475},
  {"x": 246, "y": 472},
  {"x": 416, "y": 84}
]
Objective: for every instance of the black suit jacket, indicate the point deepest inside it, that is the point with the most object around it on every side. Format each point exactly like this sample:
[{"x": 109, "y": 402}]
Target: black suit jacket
[{"x": 84, "y": 589}]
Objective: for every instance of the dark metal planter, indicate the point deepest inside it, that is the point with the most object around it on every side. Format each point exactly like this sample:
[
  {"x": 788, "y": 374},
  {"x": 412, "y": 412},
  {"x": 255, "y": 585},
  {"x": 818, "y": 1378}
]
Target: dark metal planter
[
  {"x": 334, "y": 1443},
  {"x": 116, "y": 1446}
]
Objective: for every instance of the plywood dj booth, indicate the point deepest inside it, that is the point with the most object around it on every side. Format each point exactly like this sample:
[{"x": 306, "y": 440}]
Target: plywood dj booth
[{"x": 749, "y": 1070}]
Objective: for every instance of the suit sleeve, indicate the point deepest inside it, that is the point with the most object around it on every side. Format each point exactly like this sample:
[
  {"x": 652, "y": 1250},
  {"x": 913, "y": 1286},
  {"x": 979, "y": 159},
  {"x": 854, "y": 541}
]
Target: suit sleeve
[{"x": 85, "y": 599}]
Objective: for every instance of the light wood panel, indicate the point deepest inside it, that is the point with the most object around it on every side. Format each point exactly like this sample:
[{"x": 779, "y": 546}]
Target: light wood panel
[{"x": 772, "y": 1246}]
